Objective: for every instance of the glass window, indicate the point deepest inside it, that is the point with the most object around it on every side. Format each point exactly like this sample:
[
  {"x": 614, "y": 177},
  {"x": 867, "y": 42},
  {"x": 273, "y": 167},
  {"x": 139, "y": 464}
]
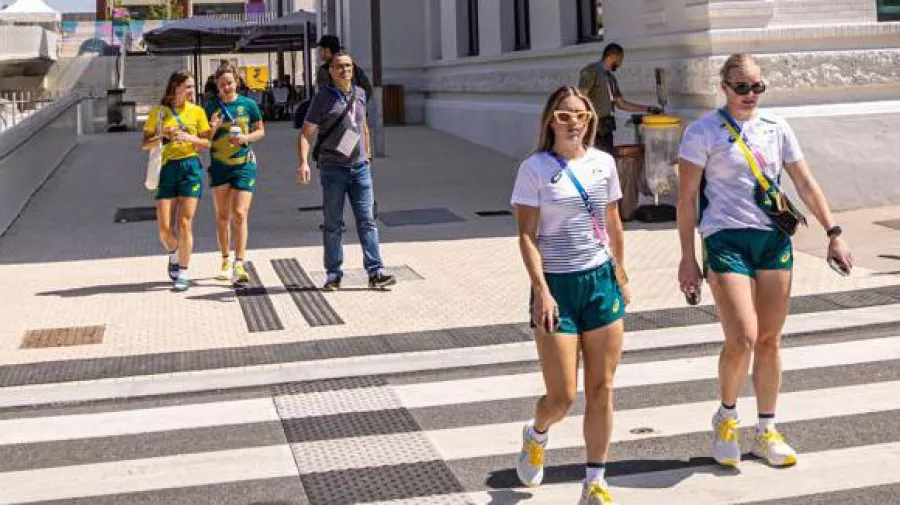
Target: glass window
[
  {"x": 888, "y": 10},
  {"x": 523, "y": 29},
  {"x": 590, "y": 20},
  {"x": 472, "y": 26}
]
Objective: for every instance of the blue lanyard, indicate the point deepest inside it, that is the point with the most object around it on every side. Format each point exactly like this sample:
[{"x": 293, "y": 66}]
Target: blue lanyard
[
  {"x": 178, "y": 118},
  {"x": 585, "y": 197},
  {"x": 225, "y": 111}
]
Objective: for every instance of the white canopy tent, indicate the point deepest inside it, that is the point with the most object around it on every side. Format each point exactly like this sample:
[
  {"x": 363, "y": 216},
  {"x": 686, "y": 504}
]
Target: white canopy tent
[{"x": 30, "y": 11}]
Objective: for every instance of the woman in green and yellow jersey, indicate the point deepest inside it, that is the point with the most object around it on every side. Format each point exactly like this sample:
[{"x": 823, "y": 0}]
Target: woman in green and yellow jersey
[
  {"x": 236, "y": 123},
  {"x": 183, "y": 127}
]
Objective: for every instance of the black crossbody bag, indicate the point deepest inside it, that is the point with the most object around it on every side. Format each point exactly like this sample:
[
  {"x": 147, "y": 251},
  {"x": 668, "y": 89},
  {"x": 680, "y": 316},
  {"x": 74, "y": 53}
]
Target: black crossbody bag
[{"x": 317, "y": 149}]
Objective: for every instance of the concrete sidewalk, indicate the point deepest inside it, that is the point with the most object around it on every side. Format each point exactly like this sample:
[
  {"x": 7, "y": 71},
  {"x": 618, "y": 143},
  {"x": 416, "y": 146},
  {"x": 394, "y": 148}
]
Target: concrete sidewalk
[{"x": 66, "y": 263}]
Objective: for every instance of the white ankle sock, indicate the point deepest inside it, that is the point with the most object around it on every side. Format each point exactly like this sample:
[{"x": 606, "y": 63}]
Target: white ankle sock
[
  {"x": 173, "y": 257},
  {"x": 766, "y": 423},
  {"x": 540, "y": 437},
  {"x": 594, "y": 474}
]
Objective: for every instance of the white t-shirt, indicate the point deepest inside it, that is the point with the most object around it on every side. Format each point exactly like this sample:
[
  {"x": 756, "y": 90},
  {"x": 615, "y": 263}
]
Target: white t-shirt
[
  {"x": 729, "y": 182},
  {"x": 566, "y": 238}
]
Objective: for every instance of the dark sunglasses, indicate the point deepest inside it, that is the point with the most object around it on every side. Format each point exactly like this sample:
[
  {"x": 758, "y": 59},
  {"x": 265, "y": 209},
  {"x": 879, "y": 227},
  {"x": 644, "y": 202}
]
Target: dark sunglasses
[{"x": 744, "y": 88}]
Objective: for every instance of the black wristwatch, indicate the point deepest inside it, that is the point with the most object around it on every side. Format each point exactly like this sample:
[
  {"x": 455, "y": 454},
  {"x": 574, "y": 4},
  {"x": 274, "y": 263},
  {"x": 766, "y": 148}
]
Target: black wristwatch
[{"x": 834, "y": 231}]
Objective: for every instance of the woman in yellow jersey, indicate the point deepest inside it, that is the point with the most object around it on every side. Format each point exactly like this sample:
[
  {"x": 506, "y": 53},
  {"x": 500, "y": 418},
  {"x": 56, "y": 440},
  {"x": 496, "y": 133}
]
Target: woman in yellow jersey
[
  {"x": 236, "y": 123},
  {"x": 181, "y": 180}
]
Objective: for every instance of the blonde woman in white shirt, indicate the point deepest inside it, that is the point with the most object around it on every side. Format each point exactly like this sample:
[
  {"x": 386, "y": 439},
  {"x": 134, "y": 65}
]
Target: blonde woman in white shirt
[
  {"x": 748, "y": 259},
  {"x": 572, "y": 242}
]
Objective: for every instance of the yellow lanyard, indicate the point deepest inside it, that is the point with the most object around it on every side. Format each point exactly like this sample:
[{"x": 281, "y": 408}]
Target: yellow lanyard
[{"x": 754, "y": 166}]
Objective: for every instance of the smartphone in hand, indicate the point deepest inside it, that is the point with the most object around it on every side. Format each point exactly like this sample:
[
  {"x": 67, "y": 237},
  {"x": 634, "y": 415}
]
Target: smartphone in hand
[{"x": 838, "y": 267}]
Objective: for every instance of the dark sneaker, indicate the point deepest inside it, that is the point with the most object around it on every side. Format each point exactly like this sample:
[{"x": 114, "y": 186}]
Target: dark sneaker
[
  {"x": 332, "y": 282},
  {"x": 173, "y": 270},
  {"x": 381, "y": 280}
]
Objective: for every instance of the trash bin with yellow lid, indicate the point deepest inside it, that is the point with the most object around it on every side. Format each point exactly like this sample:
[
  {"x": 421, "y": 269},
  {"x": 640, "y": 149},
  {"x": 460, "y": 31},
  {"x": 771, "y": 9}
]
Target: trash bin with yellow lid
[{"x": 661, "y": 135}]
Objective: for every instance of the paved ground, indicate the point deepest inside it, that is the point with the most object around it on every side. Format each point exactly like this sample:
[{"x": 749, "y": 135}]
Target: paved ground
[{"x": 280, "y": 395}]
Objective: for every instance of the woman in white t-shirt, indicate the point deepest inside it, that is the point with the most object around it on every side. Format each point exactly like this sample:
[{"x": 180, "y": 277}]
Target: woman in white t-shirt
[
  {"x": 748, "y": 261},
  {"x": 570, "y": 235}
]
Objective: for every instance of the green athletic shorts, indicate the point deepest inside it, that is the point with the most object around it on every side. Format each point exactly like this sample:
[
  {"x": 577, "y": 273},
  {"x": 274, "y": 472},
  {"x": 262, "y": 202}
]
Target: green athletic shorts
[
  {"x": 746, "y": 251},
  {"x": 240, "y": 177},
  {"x": 587, "y": 300},
  {"x": 181, "y": 179}
]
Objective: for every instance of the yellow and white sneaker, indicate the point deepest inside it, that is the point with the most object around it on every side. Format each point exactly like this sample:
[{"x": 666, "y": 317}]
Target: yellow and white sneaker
[
  {"x": 726, "y": 446},
  {"x": 770, "y": 446},
  {"x": 225, "y": 271},
  {"x": 530, "y": 467},
  {"x": 240, "y": 273},
  {"x": 596, "y": 493}
]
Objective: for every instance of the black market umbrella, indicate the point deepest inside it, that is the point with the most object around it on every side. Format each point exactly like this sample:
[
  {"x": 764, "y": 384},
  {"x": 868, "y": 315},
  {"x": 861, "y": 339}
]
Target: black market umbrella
[
  {"x": 195, "y": 36},
  {"x": 293, "y": 32}
]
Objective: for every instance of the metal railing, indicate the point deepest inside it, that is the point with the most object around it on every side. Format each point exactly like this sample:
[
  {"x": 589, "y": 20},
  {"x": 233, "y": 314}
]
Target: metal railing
[{"x": 18, "y": 105}]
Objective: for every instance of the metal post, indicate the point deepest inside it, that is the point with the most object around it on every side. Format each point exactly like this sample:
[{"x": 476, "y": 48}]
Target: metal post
[
  {"x": 377, "y": 122},
  {"x": 307, "y": 59}
]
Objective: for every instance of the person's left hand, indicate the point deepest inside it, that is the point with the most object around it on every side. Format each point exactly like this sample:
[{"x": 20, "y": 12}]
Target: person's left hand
[
  {"x": 840, "y": 251},
  {"x": 238, "y": 140},
  {"x": 654, "y": 109}
]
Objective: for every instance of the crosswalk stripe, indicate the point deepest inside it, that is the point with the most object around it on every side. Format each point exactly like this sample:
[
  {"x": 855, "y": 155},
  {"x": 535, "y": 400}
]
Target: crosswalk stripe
[
  {"x": 505, "y": 438},
  {"x": 130, "y": 422},
  {"x": 820, "y": 472},
  {"x": 639, "y": 374},
  {"x": 146, "y": 474}
]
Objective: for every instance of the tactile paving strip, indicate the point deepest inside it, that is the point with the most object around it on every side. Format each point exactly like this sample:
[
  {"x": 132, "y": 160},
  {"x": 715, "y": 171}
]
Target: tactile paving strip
[
  {"x": 307, "y": 297},
  {"x": 259, "y": 312},
  {"x": 359, "y": 277},
  {"x": 362, "y": 452},
  {"x": 359, "y": 445},
  {"x": 135, "y": 214},
  {"x": 449, "y": 499},
  {"x": 861, "y": 298},
  {"x": 354, "y": 424},
  {"x": 687, "y": 316},
  {"x": 436, "y": 215},
  {"x": 395, "y": 482}
]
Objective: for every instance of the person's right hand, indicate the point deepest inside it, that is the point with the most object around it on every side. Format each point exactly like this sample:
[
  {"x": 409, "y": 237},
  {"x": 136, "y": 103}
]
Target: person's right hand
[
  {"x": 546, "y": 312},
  {"x": 689, "y": 275},
  {"x": 303, "y": 174},
  {"x": 654, "y": 109}
]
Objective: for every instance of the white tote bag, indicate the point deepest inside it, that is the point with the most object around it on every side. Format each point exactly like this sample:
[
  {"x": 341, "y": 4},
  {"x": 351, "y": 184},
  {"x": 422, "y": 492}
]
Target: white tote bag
[{"x": 154, "y": 163}]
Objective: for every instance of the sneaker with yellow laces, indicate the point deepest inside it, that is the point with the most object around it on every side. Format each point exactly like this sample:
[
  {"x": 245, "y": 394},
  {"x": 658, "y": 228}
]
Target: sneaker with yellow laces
[
  {"x": 240, "y": 273},
  {"x": 530, "y": 467},
  {"x": 770, "y": 446},
  {"x": 224, "y": 272},
  {"x": 596, "y": 493},
  {"x": 726, "y": 447}
]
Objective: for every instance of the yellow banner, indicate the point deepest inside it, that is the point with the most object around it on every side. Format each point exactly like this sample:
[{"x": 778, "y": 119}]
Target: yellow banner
[{"x": 257, "y": 76}]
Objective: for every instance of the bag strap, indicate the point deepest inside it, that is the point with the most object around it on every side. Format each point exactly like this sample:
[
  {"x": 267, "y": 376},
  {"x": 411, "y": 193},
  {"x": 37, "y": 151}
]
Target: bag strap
[
  {"x": 159, "y": 121},
  {"x": 178, "y": 118},
  {"x": 225, "y": 110},
  {"x": 328, "y": 131},
  {"x": 585, "y": 197},
  {"x": 733, "y": 128}
]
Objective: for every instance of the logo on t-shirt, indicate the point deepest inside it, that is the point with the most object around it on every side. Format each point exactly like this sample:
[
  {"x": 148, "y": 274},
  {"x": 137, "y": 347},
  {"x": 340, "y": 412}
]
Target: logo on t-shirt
[{"x": 556, "y": 177}]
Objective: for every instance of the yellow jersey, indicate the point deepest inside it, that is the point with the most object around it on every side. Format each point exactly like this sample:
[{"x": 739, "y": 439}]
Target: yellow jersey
[{"x": 192, "y": 120}]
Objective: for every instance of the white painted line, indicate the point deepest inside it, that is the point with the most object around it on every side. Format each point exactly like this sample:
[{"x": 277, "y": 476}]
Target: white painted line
[
  {"x": 642, "y": 374},
  {"x": 820, "y": 472},
  {"x": 150, "y": 474},
  {"x": 134, "y": 422},
  {"x": 263, "y": 375},
  {"x": 506, "y": 438}
]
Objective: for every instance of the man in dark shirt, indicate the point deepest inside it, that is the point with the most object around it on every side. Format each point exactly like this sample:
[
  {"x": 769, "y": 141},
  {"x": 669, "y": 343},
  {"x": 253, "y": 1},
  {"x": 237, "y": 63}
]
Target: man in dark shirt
[
  {"x": 598, "y": 82},
  {"x": 330, "y": 45},
  {"x": 343, "y": 154}
]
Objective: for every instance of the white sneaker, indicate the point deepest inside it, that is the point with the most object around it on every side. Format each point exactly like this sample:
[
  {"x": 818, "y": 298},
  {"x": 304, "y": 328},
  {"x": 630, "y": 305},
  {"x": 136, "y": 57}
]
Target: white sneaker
[
  {"x": 771, "y": 447},
  {"x": 596, "y": 493},
  {"x": 726, "y": 446},
  {"x": 225, "y": 271},
  {"x": 530, "y": 467}
]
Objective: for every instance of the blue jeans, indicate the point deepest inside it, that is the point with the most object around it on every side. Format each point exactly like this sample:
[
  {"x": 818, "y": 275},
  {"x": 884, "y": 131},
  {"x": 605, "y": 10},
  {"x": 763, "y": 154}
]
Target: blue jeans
[{"x": 339, "y": 182}]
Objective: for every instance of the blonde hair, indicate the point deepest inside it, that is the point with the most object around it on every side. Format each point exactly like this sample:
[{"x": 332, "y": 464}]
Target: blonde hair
[
  {"x": 547, "y": 138},
  {"x": 226, "y": 67},
  {"x": 737, "y": 60}
]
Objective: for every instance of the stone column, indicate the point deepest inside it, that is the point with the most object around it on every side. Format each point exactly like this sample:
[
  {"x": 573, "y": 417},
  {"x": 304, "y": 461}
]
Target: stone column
[
  {"x": 490, "y": 27},
  {"x": 450, "y": 35}
]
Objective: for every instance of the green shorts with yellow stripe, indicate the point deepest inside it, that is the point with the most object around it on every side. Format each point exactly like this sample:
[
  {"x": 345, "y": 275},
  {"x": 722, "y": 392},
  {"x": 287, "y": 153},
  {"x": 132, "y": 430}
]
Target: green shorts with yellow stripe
[
  {"x": 587, "y": 300},
  {"x": 181, "y": 179},
  {"x": 240, "y": 177},
  {"x": 746, "y": 251}
]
